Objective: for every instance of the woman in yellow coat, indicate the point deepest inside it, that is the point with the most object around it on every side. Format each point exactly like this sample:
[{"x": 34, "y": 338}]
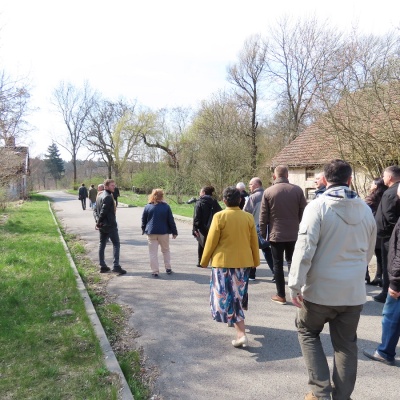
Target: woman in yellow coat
[{"x": 231, "y": 250}]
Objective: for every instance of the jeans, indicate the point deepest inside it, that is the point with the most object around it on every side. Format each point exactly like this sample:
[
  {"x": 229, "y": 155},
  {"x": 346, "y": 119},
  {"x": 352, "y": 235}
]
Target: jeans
[
  {"x": 384, "y": 255},
  {"x": 278, "y": 249},
  {"x": 114, "y": 237},
  {"x": 343, "y": 323},
  {"x": 390, "y": 328},
  {"x": 83, "y": 201}
]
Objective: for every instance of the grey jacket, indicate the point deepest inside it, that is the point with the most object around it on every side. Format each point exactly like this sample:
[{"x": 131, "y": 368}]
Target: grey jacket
[
  {"x": 336, "y": 241},
  {"x": 253, "y": 204}
]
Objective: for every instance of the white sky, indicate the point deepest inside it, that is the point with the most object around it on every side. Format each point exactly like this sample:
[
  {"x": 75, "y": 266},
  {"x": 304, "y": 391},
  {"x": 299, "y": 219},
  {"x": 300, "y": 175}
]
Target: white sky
[{"x": 159, "y": 52}]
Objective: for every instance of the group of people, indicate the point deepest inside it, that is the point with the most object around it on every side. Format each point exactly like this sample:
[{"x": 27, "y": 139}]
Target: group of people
[
  {"x": 326, "y": 243},
  {"x": 92, "y": 193}
]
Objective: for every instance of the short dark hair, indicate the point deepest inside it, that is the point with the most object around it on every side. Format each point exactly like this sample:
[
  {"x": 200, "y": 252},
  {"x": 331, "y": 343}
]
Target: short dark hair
[
  {"x": 394, "y": 170},
  {"x": 337, "y": 171},
  {"x": 208, "y": 190},
  {"x": 281, "y": 171},
  {"x": 232, "y": 196}
]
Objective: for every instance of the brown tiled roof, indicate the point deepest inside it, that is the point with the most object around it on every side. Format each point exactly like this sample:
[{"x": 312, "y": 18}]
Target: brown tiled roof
[
  {"x": 366, "y": 118},
  {"x": 312, "y": 147}
]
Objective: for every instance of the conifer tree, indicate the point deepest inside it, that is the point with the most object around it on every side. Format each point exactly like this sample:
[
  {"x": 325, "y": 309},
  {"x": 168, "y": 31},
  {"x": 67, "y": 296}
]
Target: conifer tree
[{"x": 54, "y": 162}]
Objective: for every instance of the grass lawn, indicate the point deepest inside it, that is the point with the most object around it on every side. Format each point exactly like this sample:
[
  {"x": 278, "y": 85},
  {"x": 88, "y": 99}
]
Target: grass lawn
[
  {"x": 43, "y": 356},
  {"x": 140, "y": 200}
]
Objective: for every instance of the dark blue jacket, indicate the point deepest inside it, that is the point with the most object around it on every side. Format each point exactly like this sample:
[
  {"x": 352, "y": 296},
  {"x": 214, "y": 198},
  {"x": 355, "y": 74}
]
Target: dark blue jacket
[{"x": 157, "y": 219}]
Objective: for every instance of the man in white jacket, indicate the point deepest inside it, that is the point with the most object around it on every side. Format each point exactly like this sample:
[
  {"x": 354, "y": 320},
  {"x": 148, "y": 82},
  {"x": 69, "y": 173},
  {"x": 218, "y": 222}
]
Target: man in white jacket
[{"x": 336, "y": 240}]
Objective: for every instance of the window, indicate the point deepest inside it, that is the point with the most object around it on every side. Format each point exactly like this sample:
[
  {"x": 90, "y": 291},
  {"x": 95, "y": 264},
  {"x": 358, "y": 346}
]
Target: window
[
  {"x": 310, "y": 173},
  {"x": 310, "y": 194}
]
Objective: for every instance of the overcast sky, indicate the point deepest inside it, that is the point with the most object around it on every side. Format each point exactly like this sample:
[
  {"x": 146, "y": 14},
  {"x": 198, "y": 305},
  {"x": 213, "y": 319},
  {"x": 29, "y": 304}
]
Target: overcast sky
[{"x": 160, "y": 52}]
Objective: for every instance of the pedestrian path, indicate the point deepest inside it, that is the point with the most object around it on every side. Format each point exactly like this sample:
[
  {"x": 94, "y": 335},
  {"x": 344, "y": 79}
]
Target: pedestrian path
[{"x": 192, "y": 353}]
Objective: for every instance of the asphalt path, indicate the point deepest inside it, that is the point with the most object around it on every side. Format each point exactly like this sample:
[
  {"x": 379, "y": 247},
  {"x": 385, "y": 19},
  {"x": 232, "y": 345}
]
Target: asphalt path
[{"x": 192, "y": 352}]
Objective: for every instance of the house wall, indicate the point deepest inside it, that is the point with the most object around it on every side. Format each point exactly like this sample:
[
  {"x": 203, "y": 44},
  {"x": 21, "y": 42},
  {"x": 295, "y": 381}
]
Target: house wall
[{"x": 297, "y": 176}]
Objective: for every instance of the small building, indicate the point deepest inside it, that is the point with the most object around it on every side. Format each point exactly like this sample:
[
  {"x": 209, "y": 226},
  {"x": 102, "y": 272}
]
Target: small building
[{"x": 305, "y": 156}]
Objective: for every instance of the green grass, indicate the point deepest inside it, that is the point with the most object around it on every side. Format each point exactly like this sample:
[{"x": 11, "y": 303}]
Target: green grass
[
  {"x": 140, "y": 200},
  {"x": 113, "y": 318},
  {"x": 42, "y": 356}
]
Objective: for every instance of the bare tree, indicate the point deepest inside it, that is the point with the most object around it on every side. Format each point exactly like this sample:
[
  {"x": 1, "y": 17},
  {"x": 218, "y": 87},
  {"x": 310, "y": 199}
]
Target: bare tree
[
  {"x": 300, "y": 55},
  {"x": 115, "y": 130},
  {"x": 14, "y": 98},
  {"x": 223, "y": 154},
  {"x": 170, "y": 128},
  {"x": 366, "y": 120},
  {"x": 247, "y": 75},
  {"x": 74, "y": 104},
  {"x": 169, "y": 137}
]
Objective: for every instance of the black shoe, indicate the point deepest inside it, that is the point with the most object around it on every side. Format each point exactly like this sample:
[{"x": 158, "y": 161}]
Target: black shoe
[
  {"x": 104, "y": 269},
  {"x": 154, "y": 275},
  {"x": 380, "y": 298},
  {"x": 118, "y": 270},
  {"x": 377, "y": 281},
  {"x": 377, "y": 357},
  {"x": 168, "y": 271}
]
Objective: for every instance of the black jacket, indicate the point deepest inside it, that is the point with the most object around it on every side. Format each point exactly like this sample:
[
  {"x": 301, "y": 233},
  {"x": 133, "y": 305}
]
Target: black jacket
[
  {"x": 205, "y": 205},
  {"x": 116, "y": 193},
  {"x": 105, "y": 208},
  {"x": 82, "y": 193},
  {"x": 388, "y": 212},
  {"x": 394, "y": 259},
  {"x": 243, "y": 196}
]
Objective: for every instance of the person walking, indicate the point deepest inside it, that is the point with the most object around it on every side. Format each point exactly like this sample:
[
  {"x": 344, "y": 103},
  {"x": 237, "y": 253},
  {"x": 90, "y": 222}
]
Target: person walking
[
  {"x": 386, "y": 217},
  {"x": 373, "y": 199},
  {"x": 158, "y": 223},
  {"x": 336, "y": 240},
  {"x": 252, "y": 206},
  {"x": 204, "y": 210},
  {"x": 386, "y": 351},
  {"x": 92, "y": 197},
  {"x": 282, "y": 207},
  {"x": 231, "y": 250},
  {"x": 116, "y": 195},
  {"x": 82, "y": 195},
  {"x": 108, "y": 228},
  {"x": 243, "y": 194}
]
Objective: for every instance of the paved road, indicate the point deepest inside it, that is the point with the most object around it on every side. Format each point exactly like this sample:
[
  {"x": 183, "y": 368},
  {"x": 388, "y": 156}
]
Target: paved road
[{"x": 192, "y": 352}]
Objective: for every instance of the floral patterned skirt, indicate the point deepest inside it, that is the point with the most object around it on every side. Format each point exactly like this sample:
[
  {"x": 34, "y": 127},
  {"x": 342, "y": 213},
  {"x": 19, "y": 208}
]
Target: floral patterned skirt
[{"x": 228, "y": 290}]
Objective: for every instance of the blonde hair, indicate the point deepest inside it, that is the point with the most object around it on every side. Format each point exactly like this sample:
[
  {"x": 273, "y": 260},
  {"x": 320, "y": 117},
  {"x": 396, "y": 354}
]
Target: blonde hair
[{"x": 157, "y": 196}]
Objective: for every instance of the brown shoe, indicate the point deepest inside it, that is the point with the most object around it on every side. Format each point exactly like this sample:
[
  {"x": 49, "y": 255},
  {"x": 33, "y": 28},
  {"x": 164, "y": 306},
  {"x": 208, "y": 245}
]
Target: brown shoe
[{"x": 278, "y": 299}]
